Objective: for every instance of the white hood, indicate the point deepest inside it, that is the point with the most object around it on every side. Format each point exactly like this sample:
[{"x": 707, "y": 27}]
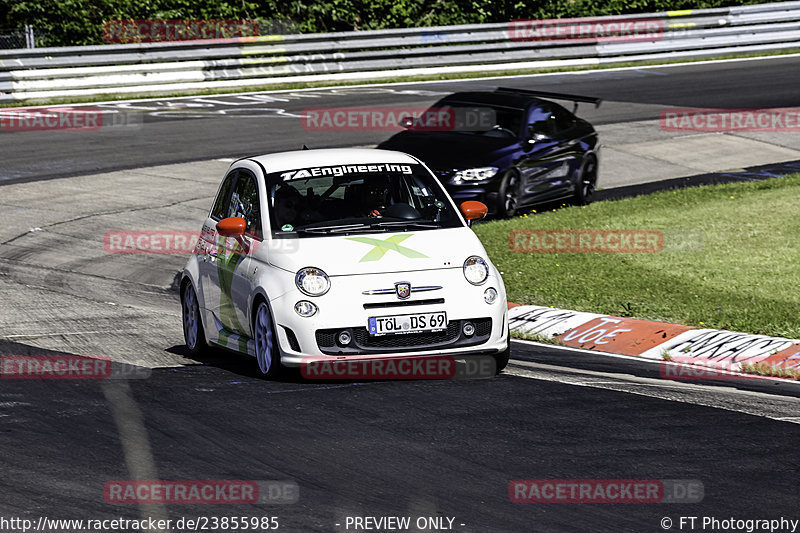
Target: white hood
[{"x": 365, "y": 253}]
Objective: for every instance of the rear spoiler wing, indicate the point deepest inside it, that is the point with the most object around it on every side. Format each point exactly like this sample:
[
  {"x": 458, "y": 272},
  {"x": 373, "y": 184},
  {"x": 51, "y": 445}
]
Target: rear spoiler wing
[{"x": 554, "y": 96}]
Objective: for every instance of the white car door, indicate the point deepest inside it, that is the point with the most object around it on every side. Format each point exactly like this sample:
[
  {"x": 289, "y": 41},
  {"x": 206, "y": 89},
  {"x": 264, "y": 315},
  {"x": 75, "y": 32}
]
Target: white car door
[{"x": 224, "y": 267}]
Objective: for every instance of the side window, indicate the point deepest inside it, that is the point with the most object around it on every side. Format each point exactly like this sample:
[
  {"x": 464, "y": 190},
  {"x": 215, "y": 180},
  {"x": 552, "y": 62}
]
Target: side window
[
  {"x": 542, "y": 121},
  {"x": 244, "y": 203},
  {"x": 218, "y": 211}
]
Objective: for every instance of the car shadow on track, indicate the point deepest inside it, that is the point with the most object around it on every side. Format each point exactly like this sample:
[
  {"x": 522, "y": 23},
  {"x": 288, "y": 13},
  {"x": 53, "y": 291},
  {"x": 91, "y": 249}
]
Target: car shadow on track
[
  {"x": 245, "y": 366},
  {"x": 235, "y": 363}
]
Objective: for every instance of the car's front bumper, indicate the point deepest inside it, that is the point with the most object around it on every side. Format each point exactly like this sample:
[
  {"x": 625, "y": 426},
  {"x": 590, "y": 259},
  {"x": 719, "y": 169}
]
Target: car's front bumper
[{"x": 346, "y": 308}]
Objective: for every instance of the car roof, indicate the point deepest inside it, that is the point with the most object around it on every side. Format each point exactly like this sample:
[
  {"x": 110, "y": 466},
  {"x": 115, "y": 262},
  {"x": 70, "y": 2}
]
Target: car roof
[
  {"x": 499, "y": 98},
  {"x": 283, "y": 161}
]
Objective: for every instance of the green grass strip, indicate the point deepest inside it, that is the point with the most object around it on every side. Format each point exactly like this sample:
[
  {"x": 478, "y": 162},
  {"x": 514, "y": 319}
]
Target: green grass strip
[{"x": 731, "y": 258}]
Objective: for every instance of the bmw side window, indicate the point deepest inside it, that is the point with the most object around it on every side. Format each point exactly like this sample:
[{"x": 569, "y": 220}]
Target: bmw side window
[
  {"x": 244, "y": 203},
  {"x": 218, "y": 211},
  {"x": 542, "y": 122}
]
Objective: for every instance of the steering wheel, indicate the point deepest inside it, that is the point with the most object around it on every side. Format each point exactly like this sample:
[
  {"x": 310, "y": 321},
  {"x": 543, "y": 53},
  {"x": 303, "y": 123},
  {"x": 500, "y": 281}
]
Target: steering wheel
[{"x": 498, "y": 127}]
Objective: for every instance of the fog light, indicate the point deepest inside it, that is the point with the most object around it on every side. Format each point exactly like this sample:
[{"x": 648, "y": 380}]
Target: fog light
[
  {"x": 469, "y": 329},
  {"x": 490, "y": 295},
  {"x": 344, "y": 338},
  {"x": 305, "y": 308}
]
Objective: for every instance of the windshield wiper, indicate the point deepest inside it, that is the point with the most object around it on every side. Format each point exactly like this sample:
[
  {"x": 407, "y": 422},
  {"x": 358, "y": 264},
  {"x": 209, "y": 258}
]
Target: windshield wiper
[
  {"x": 329, "y": 229},
  {"x": 404, "y": 223},
  {"x": 324, "y": 230}
]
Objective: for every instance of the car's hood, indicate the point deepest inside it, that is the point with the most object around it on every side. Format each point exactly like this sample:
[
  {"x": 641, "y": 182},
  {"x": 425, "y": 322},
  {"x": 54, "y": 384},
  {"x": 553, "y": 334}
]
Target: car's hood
[
  {"x": 368, "y": 253},
  {"x": 448, "y": 150}
]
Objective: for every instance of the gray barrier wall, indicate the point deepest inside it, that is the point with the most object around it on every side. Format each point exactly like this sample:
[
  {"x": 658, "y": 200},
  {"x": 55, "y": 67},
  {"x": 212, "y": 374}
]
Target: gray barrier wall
[{"x": 165, "y": 67}]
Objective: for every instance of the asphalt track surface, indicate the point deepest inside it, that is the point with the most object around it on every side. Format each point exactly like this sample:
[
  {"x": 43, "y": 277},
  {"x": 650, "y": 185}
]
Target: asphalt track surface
[
  {"x": 402, "y": 448},
  {"x": 180, "y": 130},
  {"x": 420, "y": 448}
]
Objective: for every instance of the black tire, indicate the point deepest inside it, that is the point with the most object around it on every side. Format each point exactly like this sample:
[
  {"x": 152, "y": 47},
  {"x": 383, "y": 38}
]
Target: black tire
[
  {"x": 193, "y": 333},
  {"x": 501, "y": 359},
  {"x": 586, "y": 181},
  {"x": 268, "y": 355},
  {"x": 508, "y": 196}
]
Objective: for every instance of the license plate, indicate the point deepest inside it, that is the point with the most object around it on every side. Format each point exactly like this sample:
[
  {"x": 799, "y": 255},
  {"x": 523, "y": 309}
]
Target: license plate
[{"x": 400, "y": 324}]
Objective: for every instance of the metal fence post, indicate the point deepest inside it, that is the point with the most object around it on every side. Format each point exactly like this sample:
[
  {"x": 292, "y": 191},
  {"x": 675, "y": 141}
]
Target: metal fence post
[{"x": 29, "y": 42}]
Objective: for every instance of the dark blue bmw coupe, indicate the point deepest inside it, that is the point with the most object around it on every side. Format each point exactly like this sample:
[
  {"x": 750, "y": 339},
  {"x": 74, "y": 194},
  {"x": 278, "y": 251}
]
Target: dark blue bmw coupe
[{"x": 535, "y": 152}]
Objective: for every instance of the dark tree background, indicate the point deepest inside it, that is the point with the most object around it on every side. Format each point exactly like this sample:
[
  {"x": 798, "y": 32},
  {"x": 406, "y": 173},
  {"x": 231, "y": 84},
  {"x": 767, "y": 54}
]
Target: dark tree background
[{"x": 80, "y": 22}]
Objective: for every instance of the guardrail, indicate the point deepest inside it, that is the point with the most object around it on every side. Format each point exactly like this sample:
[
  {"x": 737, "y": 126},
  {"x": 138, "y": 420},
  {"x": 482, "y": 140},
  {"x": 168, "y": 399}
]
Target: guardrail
[{"x": 164, "y": 67}]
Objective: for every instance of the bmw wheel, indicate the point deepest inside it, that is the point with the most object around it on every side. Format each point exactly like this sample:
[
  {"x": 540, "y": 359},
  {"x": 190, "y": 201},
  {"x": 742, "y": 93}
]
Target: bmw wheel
[
  {"x": 269, "y": 360},
  {"x": 586, "y": 182},
  {"x": 193, "y": 333},
  {"x": 509, "y": 195}
]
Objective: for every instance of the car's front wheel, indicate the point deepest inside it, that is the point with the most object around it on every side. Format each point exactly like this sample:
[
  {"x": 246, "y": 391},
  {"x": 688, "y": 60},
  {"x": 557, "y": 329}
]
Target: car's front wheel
[
  {"x": 508, "y": 199},
  {"x": 269, "y": 360},
  {"x": 193, "y": 333}
]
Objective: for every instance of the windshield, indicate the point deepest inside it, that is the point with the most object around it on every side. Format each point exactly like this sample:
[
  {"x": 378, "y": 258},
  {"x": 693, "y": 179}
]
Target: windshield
[
  {"x": 357, "y": 198},
  {"x": 484, "y": 119}
]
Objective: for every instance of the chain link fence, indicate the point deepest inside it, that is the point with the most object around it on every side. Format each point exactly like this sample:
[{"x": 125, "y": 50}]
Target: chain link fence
[{"x": 27, "y": 37}]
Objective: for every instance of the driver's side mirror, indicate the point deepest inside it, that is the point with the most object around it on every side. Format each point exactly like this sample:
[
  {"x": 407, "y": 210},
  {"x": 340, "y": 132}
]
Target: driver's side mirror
[
  {"x": 473, "y": 210},
  {"x": 234, "y": 227},
  {"x": 231, "y": 226}
]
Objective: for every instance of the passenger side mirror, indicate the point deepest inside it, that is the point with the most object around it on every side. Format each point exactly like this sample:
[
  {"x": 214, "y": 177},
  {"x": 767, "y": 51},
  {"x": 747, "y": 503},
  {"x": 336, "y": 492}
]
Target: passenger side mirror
[{"x": 473, "y": 210}]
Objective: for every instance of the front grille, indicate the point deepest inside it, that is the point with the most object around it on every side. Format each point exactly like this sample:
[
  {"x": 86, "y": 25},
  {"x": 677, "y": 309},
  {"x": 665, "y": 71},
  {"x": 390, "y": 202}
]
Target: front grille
[
  {"x": 403, "y": 303},
  {"x": 364, "y": 343},
  {"x": 326, "y": 337},
  {"x": 483, "y": 327}
]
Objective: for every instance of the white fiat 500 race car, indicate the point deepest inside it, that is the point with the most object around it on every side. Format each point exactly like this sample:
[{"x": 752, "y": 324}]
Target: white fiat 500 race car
[{"x": 341, "y": 253}]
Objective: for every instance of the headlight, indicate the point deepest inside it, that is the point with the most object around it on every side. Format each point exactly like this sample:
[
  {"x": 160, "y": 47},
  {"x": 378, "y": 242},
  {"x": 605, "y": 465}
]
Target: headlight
[
  {"x": 305, "y": 308},
  {"x": 490, "y": 295},
  {"x": 312, "y": 281},
  {"x": 476, "y": 270},
  {"x": 475, "y": 174}
]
